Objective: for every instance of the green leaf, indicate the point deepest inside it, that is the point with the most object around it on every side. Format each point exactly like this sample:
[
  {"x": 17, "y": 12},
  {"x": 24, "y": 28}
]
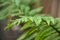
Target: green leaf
[
  {"x": 4, "y": 4},
  {"x": 38, "y": 36},
  {"x": 58, "y": 26},
  {"x": 23, "y": 36},
  {"x": 33, "y": 29},
  {"x": 18, "y": 21},
  {"x": 24, "y": 19},
  {"x": 31, "y": 18},
  {"x": 27, "y": 9},
  {"x": 31, "y": 37},
  {"x": 17, "y": 2},
  {"x": 57, "y": 19},
  {"x": 34, "y": 11},
  {"x": 15, "y": 14},
  {"x": 26, "y": 2},
  {"x": 47, "y": 19},
  {"x": 57, "y": 38},
  {"x": 41, "y": 32},
  {"x": 52, "y": 20},
  {"x": 5, "y": 12},
  {"x": 10, "y": 25},
  {"x": 52, "y": 36},
  {"x": 37, "y": 20},
  {"x": 26, "y": 25},
  {"x": 22, "y": 7}
]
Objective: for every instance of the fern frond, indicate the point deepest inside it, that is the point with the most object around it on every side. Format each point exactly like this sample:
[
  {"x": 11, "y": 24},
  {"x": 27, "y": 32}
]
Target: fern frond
[{"x": 41, "y": 27}]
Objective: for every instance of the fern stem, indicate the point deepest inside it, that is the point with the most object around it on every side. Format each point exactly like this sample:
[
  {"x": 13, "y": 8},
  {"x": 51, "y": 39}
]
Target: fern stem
[{"x": 55, "y": 29}]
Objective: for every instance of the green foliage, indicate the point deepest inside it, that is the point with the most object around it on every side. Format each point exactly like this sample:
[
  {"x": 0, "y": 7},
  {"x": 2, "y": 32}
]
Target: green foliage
[{"x": 41, "y": 26}]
